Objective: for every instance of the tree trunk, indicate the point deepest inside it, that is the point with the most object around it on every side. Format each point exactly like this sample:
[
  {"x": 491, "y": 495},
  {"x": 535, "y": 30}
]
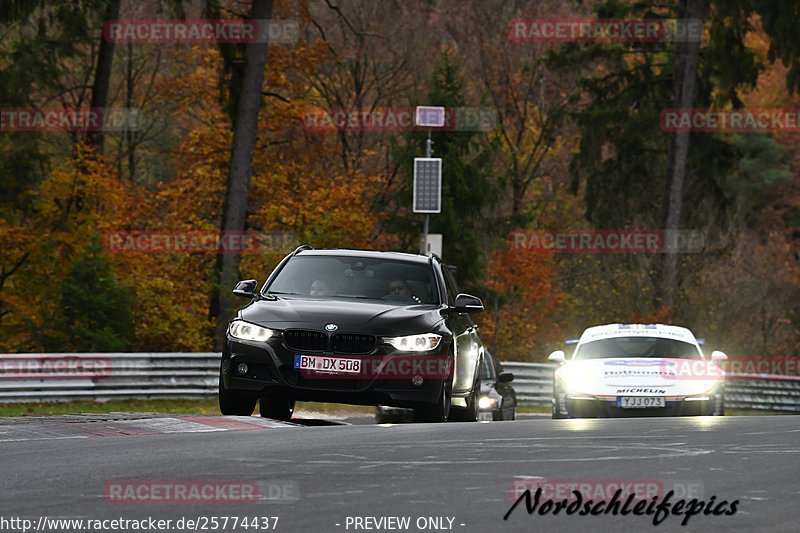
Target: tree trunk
[
  {"x": 687, "y": 60},
  {"x": 102, "y": 76},
  {"x": 232, "y": 74},
  {"x": 245, "y": 131},
  {"x": 130, "y": 138}
]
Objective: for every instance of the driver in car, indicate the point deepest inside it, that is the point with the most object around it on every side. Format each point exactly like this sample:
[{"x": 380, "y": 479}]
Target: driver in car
[
  {"x": 400, "y": 286},
  {"x": 321, "y": 287}
]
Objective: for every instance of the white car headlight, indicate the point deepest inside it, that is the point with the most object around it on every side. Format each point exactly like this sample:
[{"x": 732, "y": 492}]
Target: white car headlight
[
  {"x": 573, "y": 379},
  {"x": 487, "y": 402},
  {"x": 711, "y": 390},
  {"x": 415, "y": 343},
  {"x": 249, "y": 332}
]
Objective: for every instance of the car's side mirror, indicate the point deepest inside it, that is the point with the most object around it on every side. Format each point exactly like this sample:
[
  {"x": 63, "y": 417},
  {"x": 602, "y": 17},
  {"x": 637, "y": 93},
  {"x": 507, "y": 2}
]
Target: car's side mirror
[
  {"x": 557, "y": 357},
  {"x": 466, "y": 303},
  {"x": 246, "y": 288},
  {"x": 505, "y": 377},
  {"x": 718, "y": 356}
]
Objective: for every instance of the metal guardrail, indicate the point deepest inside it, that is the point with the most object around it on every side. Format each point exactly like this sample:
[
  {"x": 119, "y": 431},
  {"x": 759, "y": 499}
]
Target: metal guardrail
[
  {"x": 533, "y": 383},
  {"x": 96, "y": 376}
]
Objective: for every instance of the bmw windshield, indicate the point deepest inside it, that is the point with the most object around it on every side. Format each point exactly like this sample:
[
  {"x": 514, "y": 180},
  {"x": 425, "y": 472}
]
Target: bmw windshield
[
  {"x": 637, "y": 347},
  {"x": 403, "y": 283}
]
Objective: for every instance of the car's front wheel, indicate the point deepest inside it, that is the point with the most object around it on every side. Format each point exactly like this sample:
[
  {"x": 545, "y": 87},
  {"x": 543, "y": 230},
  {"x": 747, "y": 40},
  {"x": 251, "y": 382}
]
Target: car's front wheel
[
  {"x": 719, "y": 408},
  {"x": 276, "y": 406},
  {"x": 557, "y": 410},
  {"x": 470, "y": 414},
  {"x": 234, "y": 402},
  {"x": 381, "y": 417},
  {"x": 437, "y": 412}
]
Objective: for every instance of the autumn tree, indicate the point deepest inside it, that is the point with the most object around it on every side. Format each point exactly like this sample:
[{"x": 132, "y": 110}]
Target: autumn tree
[
  {"x": 245, "y": 132},
  {"x": 93, "y": 311},
  {"x": 527, "y": 99},
  {"x": 520, "y": 299}
]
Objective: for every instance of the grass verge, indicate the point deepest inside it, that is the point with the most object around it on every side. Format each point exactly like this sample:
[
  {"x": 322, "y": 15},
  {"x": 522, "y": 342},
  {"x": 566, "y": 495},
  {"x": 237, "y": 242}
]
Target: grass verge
[{"x": 166, "y": 406}]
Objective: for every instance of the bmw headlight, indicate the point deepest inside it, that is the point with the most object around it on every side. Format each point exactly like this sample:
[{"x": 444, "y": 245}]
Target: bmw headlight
[
  {"x": 415, "y": 343},
  {"x": 249, "y": 332}
]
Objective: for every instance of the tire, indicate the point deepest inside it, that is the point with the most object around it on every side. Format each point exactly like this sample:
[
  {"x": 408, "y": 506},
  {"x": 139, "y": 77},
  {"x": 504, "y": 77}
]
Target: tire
[
  {"x": 235, "y": 403},
  {"x": 276, "y": 406},
  {"x": 513, "y": 415},
  {"x": 470, "y": 414},
  {"x": 719, "y": 410},
  {"x": 437, "y": 412},
  {"x": 556, "y": 415},
  {"x": 385, "y": 418},
  {"x": 556, "y": 405}
]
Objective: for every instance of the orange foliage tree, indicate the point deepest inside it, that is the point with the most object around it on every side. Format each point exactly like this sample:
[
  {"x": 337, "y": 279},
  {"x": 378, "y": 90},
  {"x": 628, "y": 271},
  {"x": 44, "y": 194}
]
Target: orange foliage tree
[{"x": 521, "y": 296}]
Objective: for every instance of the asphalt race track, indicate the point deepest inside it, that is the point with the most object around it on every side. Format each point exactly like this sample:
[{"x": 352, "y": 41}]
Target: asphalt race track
[{"x": 321, "y": 477}]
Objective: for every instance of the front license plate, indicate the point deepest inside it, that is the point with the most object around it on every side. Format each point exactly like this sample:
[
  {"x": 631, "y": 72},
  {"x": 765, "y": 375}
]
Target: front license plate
[
  {"x": 633, "y": 402},
  {"x": 485, "y": 416},
  {"x": 333, "y": 365}
]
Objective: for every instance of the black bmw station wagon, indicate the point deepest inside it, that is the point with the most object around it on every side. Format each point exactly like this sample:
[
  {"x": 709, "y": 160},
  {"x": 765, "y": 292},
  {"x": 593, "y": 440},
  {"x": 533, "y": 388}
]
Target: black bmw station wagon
[{"x": 354, "y": 327}]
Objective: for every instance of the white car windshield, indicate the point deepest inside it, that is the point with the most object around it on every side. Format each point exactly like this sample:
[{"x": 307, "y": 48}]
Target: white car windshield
[{"x": 637, "y": 347}]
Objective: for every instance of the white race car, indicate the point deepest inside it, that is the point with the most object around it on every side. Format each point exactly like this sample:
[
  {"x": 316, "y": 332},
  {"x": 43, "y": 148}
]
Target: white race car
[{"x": 638, "y": 370}]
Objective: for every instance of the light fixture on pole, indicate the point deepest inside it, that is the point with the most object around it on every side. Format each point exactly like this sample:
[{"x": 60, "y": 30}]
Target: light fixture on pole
[{"x": 428, "y": 171}]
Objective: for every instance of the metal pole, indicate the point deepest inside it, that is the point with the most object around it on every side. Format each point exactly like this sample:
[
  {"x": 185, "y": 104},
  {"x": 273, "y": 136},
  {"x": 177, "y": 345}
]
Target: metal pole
[
  {"x": 428, "y": 145},
  {"x": 424, "y": 246}
]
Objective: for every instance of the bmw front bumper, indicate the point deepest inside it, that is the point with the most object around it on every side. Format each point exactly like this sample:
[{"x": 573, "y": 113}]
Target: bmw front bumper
[{"x": 270, "y": 367}]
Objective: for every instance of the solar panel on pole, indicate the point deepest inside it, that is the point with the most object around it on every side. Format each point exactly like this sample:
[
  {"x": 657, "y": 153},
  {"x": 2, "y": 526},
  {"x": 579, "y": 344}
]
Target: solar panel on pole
[{"x": 427, "y": 185}]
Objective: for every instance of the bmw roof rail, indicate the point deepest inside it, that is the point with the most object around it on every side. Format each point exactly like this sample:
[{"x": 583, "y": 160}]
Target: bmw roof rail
[{"x": 301, "y": 248}]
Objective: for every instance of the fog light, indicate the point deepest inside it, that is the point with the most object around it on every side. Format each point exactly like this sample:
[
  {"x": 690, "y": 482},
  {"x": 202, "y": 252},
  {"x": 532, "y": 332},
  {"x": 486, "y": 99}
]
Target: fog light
[
  {"x": 417, "y": 381},
  {"x": 242, "y": 368}
]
